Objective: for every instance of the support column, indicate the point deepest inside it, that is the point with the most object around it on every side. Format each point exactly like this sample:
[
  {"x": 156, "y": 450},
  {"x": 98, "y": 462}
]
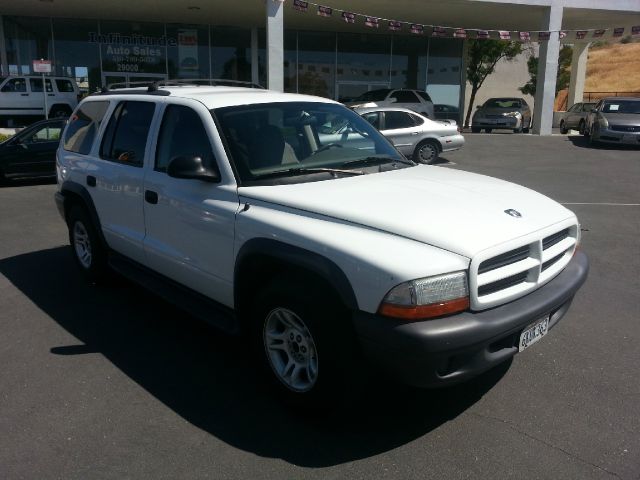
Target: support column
[
  {"x": 547, "y": 72},
  {"x": 578, "y": 73},
  {"x": 3, "y": 50},
  {"x": 275, "y": 45},
  {"x": 255, "y": 61}
]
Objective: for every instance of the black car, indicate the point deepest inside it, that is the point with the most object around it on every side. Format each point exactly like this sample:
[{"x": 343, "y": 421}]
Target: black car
[{"x": 31, "y": 152}]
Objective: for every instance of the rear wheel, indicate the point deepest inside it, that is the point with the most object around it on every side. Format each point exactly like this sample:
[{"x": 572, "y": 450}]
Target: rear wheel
[
  {"x": 426, "y": 152},
  {"x": 563, "y": 128},
  {"x": 304, "y": 341},
  {"x": 88, "y": 251}
]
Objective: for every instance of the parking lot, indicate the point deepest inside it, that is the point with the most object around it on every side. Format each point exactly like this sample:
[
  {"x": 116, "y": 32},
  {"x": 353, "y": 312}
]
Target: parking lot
[{"x": 112, "y": 383}]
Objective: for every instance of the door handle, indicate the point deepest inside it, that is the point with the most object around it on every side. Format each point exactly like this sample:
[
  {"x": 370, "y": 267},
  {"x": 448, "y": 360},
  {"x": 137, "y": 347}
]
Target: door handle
[
  {"x": 151, "y": 197},
  {"x": 24, "y": 94},
  {"x": 91, "y": 180},
  {"x": 414, "y": 133}
]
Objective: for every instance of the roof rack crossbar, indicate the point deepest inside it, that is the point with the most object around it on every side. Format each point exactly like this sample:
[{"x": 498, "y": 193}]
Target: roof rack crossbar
[{"x": 153, "y": 88}]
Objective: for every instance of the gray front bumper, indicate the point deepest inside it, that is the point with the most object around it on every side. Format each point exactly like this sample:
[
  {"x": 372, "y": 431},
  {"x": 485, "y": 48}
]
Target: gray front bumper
[{"x": 452, "y": 349}]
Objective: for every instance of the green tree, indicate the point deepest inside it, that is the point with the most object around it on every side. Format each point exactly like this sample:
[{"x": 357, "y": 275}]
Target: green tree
[
  {"x": 562, "y": 79},
  {"x": 482, "y": 57}
]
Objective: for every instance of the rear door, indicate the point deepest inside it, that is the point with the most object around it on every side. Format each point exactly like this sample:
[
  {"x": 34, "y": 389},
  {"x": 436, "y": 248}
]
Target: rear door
[
  {"x": 402, "y": 129},
  {"x": 36, "y": 97},
  {"x": 190, "y": 223}
]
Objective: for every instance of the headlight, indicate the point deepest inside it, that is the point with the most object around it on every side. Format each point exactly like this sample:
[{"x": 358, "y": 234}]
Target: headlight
[
  {"x": 512, "y": 114},
  {"x": 427, "y": 297},
  {"x": 603, "y": 122}
]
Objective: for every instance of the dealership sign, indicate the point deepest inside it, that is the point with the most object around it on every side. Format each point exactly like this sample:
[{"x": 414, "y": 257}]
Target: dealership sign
[{"x": 133, "y": 53}]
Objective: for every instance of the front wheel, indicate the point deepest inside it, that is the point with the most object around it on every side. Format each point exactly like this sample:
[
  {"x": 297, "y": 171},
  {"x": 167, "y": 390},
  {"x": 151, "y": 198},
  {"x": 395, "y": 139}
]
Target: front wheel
[
  {"x": 582, "y": 128},
  {"x": 426, "y": 152},
  {"x": 88, "y": 251},
  {"x": 304, "y": 341}
]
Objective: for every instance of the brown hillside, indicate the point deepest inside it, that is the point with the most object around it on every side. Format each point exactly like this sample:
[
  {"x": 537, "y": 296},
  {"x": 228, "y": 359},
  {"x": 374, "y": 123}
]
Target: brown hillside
[{"x": 614, "y": 68}]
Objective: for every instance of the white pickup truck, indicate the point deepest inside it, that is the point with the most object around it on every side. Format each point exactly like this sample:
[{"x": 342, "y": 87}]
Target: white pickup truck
[{"x": 233, "y": 204}]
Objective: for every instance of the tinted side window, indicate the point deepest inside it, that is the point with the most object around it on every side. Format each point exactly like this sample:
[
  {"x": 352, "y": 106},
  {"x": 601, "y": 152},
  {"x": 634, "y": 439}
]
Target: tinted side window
[
  {"x": 416, "y": 119},
  {"x": 15, "y": 85},
  {"x": 575, "y": 108},
  {"x": 425, "y": 96},
  {"x": 125, "y": 137},
  {"x": 182, "y": 134},
  {"x": 64, "y": 86},
  {"x": 405, "y": 96},
  {"x": 397, "y": 120},
  {"x": 36, "y": 85},
  {"x": 83, "y": 126},
  {"x": 373, "y": 118}
]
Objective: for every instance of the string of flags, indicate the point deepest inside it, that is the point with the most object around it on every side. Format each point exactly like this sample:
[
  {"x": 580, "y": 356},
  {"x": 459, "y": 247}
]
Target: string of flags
[{"x": 455, "y": 32}]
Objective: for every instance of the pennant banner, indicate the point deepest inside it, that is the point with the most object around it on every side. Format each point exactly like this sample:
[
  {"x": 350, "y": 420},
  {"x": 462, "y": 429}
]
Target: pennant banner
[
  {"x": 372, "y": 22},
  {"x": 349, "y": 17},
  {"x": 455, "y": 32},
  {"x": 395, "y": 26},
  {"x": 325, "y": 11},
  {"x": 300, "y": 5},
  {"x": 460, "y": 33}
]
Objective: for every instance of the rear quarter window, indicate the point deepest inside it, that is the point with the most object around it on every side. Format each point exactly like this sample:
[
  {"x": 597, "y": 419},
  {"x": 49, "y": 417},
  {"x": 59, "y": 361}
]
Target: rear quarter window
[
  {"x": 64, "y": 86},
  {"x": 83, "y": 127}
]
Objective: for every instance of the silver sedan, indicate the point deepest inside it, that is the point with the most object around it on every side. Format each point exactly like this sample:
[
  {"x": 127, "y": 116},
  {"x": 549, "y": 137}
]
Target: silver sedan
[{"x": 414, "y": 135}]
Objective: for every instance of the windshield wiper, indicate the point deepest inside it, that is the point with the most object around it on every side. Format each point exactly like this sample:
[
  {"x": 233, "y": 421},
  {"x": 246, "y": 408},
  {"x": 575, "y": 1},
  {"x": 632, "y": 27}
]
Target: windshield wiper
[
  {"x": 374, "y": 160},
  {"x": 305, "y": 170}
]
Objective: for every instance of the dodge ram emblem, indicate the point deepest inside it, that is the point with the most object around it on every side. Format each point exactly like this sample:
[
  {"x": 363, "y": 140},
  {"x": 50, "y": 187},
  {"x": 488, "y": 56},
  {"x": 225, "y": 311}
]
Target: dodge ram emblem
[{"x": 513, "y": 213}]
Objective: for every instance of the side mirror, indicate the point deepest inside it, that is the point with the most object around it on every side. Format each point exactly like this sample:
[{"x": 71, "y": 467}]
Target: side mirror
[
  {"x": 593, "y": 110},
  {"x": 191, "y": 168}
]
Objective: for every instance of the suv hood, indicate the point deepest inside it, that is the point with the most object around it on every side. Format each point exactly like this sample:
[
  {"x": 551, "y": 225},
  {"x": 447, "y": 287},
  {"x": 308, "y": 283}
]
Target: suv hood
[{"x": 450, "y": 209}]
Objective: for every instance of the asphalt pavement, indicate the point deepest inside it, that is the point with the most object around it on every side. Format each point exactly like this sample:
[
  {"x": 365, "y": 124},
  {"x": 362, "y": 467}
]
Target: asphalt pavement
[{"x": 113, "y": 383}]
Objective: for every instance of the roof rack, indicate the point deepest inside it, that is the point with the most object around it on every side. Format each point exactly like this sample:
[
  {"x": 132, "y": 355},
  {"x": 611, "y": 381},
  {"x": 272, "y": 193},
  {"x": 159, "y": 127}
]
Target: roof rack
[{"x": 153, "y": 88}]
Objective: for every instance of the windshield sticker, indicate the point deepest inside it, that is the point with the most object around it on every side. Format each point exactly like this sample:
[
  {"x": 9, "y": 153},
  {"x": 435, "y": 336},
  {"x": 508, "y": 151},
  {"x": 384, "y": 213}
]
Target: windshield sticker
[{"x": 614, "y": 108}]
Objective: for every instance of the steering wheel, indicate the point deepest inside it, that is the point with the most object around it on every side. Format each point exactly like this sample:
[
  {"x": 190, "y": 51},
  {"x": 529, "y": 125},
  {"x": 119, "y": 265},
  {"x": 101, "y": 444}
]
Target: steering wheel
[{"x": 327, "y": 147}]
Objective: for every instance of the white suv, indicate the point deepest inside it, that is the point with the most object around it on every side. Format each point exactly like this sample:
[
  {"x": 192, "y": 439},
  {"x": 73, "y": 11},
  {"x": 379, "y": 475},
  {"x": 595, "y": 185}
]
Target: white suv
[
  {"x": 417, "y": 100},
  {"x": 24, "y": 96},
  {"x": 236, "y": 204}
]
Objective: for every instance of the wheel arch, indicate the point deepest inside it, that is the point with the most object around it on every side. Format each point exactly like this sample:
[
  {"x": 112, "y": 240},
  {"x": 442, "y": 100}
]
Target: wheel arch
[
  {"x": 76, "y": 194},
  {"x": 261, "y": 259}
]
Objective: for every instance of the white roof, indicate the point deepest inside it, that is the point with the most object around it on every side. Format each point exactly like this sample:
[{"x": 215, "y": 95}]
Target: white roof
[{"x": 224, "y": 96}]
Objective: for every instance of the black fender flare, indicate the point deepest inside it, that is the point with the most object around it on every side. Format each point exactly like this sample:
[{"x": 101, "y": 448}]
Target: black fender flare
[
  {"x": 295, "y": 257},
  {"x": 74, "y": 188}
]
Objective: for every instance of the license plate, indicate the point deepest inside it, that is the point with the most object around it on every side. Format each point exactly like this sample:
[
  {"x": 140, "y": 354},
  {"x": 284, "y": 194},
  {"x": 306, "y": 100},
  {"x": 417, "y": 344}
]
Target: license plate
[
  {"x": 630, "y": 138},
  {"x": 533, "y": 333}
]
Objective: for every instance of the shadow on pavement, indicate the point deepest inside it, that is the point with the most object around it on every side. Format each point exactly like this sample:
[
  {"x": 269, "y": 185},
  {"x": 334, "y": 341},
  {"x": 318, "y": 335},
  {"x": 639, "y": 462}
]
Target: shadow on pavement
[
  {"x": 27, "y": 182},
  {"x": 583, "y": 142},
  {"x": 208, "y": 379}
]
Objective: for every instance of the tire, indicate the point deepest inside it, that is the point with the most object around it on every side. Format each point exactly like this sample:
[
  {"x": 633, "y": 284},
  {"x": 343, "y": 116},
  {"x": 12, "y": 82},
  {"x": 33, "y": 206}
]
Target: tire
[
  {"x": 59, "y": 111},
  {"x": 593, "y": 142},
  {"x": 582, "y": 128},
  {"x": 304, "y": 342},
  {"x": 563, "y": 128},
  {"x": 517, "y": 130},
  {"x": 88, "y": 250},
  {"x": 475, "y": 129},
  {"x": 426, "y": 152},
  {"x": 488, "y": 130}
]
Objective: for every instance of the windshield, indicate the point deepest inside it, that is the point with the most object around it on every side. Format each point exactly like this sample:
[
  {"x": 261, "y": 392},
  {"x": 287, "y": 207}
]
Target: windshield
[
  {"x": 622, "y": 106},
  {"x": 373, "y": 95},
  {"x": 502, "y": 103},
  {"x": 290, "y": 139}
]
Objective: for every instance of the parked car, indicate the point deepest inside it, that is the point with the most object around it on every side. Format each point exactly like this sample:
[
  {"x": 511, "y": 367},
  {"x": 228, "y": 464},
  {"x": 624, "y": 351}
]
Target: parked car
[
  {"x": 413, "y": 135},
  {"x": 32, "y": 151},
  {"x": 615, "y": 120},
  {"x": 24, "y": 96},
  {"x": 229, "y": 203},
  {"x": 447, "y": 112},
  {"x": 502, "y": 113},
  {"x": 418, "y": 101},
  {"x": 575, "y": 118}
]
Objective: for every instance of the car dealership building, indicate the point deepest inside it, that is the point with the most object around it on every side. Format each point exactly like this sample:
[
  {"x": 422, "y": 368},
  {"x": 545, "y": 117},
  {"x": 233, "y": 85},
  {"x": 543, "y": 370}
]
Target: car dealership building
[{"x": 295, "y": 46}]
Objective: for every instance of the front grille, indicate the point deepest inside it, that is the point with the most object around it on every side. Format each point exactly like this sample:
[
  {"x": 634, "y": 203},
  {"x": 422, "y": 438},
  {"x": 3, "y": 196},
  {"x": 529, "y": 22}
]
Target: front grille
[
  {"x": 504, "y": 259},
  {"x": 494, "y": 116},
  {"x": 625, "y": 128},
  {"x": 502, "y": 284},
  {"x": 497, "y": 277},
  {"x": 551, "y": 240}
]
